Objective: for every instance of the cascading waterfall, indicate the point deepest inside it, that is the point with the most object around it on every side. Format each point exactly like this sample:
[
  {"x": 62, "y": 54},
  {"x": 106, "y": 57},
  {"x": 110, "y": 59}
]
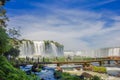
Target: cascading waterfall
[
  {"x": 40, "y": 48},
  {"x": 104, "y": 52},
  {"x": 25, "y": 48},
  {"x": 54, "y": 48}
]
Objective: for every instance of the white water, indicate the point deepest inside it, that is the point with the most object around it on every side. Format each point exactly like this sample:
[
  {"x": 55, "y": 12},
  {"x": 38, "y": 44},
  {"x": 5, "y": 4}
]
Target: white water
[
  {"x": 113, "y": 68},
  {"x": 54, "y": 48},
  {"x": 25, "y": 48},
  {"x": 38, "y": 48},
  {"x": 104, "y": 52}
]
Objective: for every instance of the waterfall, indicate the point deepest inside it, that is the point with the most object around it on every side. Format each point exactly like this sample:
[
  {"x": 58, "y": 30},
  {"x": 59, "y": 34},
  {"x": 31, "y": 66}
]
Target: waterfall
[
  {"x": 114, "y": 52},
  {"x": 26, "y": 47},
  {"x": 104, "y": 52},
  {"x": 54, "y": 48},
  {"x": 39, "y": 48}
]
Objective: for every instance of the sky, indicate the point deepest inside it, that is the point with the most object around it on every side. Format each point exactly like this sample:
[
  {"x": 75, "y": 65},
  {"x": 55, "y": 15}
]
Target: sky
[{"x": 77, "y": 24}]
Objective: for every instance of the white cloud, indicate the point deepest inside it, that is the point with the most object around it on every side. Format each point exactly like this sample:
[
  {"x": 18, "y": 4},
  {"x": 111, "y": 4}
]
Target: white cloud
[
  {"x": 105, "y": 2},
  {"x": 69, "y": 27}
]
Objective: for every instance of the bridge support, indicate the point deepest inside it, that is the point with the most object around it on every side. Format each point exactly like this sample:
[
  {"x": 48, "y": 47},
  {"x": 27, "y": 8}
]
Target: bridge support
[
  {"x": 58, "y": 64},
  {"x": 86, "y": 64},
  {"x": 116, "y": 61},
  {"x": 100, "y": 63},
  {"x": 108, "y": 62}
]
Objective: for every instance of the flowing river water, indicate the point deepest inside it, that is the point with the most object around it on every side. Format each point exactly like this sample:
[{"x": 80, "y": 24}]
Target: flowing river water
[{"x": 48, "y": 72}]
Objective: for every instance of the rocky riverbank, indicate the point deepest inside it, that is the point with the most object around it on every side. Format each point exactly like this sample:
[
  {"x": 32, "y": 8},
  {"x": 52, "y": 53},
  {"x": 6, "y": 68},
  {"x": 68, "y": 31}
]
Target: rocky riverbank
[{"x": 102, "y": 75}]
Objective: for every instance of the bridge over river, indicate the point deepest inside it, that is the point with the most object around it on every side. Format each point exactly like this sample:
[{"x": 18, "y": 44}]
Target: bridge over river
[{"x": 101, "y": 61}]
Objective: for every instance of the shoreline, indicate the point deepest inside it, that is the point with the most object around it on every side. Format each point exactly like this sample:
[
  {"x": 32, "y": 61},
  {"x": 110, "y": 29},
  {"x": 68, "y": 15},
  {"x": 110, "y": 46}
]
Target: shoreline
[{"x": 102, "y": 75}]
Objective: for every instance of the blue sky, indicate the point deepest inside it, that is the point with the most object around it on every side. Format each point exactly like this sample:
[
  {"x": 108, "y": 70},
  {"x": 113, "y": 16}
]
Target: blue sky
[{"x": 77, "y": 24}]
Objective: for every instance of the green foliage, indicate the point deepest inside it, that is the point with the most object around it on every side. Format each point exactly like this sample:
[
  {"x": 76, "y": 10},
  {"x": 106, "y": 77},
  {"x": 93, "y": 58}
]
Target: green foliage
[
  {"x": 4, "y": 41},
  {"x": 15, "y": 43},
  {"x": 57, "y": 44},
  {"x": 47, "y": 42},
  {"x": 20, "y": 41},
  {"x": 67, "y": 76},
  {"x": 58, "y": 74},
  {"x": 12, "y": 52},
  {"x": 61, "y": 59},
  {"x": 99, "y": 69},
  {"x": 8, "y": 72},
  {"x": 14, "y": 33},
  {"x": 96, "y": 78}
]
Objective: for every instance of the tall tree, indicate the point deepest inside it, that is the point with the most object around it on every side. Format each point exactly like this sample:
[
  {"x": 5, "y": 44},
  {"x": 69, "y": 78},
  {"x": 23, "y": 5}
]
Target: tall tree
[
  {"x": 3, "y": 17},
  {"x": 4, "y": 38}
]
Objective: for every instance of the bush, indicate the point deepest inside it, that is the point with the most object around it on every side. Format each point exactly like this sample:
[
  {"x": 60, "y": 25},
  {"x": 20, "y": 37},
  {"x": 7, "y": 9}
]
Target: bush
[
  {"x": 96, "y": 78},
  {"x": 67, "y": 76},
  {"x": 8, "y": 72},
  {"x": 99, "y": 69},
  {"x": 57, "y": 74}
]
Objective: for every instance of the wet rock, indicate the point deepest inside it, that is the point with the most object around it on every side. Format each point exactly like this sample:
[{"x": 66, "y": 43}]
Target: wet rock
[{"x": 86, "y": 75}]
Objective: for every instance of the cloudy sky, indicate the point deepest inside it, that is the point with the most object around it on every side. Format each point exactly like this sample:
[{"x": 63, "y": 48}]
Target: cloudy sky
[{"x": 77, "y": 24}]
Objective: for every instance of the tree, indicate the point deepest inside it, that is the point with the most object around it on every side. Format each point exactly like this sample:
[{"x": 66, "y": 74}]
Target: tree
[
  {"x": 14, "y": 32},
  {"x": 4, "y": 41},
  {"x": 3, "y": 17},
  {"x": 14, "y": 52}
]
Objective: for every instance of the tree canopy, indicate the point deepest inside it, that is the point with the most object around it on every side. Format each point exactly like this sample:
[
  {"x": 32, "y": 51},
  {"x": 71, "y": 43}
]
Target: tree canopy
[
  {"x": 14, "y": 52},
  {"x": 14, "y": 32}
]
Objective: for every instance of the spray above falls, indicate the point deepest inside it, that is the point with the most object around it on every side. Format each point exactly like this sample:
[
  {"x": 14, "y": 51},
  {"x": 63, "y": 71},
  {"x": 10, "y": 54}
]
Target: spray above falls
[{"x": 40, "y": 48}]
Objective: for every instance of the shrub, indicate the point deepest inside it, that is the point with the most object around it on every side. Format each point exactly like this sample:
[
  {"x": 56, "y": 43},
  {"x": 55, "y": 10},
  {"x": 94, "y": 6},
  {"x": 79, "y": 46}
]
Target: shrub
[
  {"x": 67, "y": 76},
  {"x": 96, "y": 78},
  {"x": 99, "y": 69},
  {"x": 8, "y": 72}
]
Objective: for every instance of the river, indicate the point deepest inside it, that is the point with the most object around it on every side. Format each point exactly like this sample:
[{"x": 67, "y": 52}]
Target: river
[{"x": 48, "y": 72}]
